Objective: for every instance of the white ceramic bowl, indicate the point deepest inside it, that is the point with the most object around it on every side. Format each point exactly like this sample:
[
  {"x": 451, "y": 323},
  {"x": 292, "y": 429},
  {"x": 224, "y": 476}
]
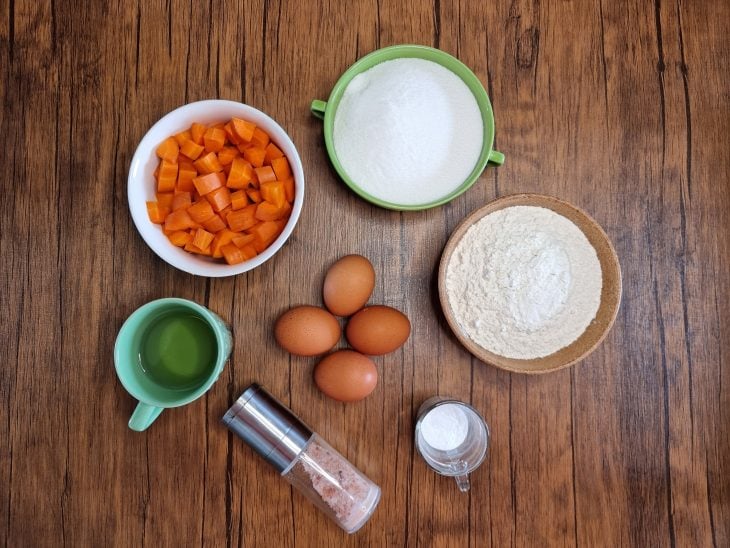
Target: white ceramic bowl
[{"x": 141, "y": 183}]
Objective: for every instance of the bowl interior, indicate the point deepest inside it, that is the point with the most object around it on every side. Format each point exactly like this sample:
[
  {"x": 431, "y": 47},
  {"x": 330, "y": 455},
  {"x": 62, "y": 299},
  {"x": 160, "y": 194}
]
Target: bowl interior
[
  {"x": 610, "y": 292},
  {"x": 141, "y": 187},
  {"x": 429, "y": 54}
]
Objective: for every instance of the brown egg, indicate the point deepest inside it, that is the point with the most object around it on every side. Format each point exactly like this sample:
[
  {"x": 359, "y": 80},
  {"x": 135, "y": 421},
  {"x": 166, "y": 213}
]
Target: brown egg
[
  {"x": 378, "y": 330},
  {"x": 346, "y": 375},
  {"x": 348, "y": 285},
  {"x": 307, "y": 330}
]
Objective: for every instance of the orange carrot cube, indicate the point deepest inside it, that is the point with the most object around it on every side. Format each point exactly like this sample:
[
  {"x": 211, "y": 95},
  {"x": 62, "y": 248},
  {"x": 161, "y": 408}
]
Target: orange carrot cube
[
  {"x": 272, "y": 152},
  {"x": 156, "y": 212},
  {"x": 255, "y": 155},
  {"x": 214, "y": 139},
  {"x": 220, "y": 198},
  {"x": 208, "y": 183},
  {"x": 168, "y": 150}
]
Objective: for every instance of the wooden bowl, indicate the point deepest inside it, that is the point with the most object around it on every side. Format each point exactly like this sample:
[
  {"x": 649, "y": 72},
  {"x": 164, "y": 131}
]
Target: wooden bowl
[{"x": 610, "y": 292}]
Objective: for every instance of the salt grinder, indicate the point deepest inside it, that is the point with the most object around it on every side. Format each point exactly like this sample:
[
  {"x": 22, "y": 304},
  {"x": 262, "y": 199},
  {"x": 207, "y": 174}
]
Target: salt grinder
[{"x": 303, "y": 458}]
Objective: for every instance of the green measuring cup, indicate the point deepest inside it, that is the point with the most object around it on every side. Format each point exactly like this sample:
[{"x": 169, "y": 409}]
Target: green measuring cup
[
  {"x": 326, "y": 111},
  {"x": 155, "y": 396}
]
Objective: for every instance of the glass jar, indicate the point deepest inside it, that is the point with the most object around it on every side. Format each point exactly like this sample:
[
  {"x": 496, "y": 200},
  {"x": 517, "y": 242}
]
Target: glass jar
[{"x": 303, "y": 458}]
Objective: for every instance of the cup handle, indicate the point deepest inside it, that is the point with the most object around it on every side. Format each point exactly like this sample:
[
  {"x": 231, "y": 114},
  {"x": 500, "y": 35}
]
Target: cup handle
[
  {"x": 496, "y": 158},
  {"x": 463, "y": 482},
  {"x": 144, "y": 415},
  {"x": 318, "y": 107}
]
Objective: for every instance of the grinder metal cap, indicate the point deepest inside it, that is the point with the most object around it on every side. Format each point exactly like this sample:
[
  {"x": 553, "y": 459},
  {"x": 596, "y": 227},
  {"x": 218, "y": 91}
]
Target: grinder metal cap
[{"x": 268, "y": 426}]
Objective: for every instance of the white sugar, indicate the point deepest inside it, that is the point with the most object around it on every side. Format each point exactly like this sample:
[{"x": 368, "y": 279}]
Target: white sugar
[{"x": 408, "y": 131}]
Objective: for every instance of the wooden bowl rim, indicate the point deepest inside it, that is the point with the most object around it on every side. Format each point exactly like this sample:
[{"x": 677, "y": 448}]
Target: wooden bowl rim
[{"x": 611, "y": 288}]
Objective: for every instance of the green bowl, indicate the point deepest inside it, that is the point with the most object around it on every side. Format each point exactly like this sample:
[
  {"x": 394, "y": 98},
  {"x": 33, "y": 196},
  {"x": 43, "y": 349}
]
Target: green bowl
[{"x": 326, "y": 111}]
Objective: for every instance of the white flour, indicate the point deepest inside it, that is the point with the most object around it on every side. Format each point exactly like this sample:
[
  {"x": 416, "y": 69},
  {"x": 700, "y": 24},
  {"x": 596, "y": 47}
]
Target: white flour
[
  {"x": 408, "y": 131},
  {"x": 524, "y": 282},
  {"x": 445, "y": 427}
]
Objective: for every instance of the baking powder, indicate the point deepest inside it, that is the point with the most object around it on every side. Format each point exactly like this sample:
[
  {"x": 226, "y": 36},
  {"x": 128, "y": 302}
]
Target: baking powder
[
  {"x": 445, "y": 427},
  {"x": 524, "y": 282},
  {"x": 408, "y": 131}
]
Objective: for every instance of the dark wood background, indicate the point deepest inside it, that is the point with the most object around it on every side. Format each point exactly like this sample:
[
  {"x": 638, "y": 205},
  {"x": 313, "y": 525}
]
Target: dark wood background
[{"x": 618, "y": 107}]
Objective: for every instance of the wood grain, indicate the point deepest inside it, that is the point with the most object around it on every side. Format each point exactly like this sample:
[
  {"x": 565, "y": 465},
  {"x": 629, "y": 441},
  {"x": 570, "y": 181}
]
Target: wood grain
[{"x": 618, "y": 107}]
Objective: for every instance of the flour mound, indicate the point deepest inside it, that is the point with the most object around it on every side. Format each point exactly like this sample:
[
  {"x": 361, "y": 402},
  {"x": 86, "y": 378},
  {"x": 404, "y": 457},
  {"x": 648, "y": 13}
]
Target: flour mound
[{"x": 524, "y": 282}]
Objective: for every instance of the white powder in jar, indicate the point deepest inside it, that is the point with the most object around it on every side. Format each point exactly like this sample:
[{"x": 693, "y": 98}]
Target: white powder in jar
[
  {"x": 524, "y": 282},
  {"x": 445, "y": 427},
  {"x": 408, "y": 131}
]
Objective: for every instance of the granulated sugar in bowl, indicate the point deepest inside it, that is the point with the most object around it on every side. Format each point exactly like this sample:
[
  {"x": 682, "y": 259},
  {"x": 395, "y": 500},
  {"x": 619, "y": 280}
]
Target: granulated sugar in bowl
[
  {"x": 408, "y": 131},
  {"x": 409, "y": 127}
]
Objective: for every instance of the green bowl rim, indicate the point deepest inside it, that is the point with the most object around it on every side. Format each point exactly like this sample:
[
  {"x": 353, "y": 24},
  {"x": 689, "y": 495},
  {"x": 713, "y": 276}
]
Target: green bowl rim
[{"x": 449, "y": 62}]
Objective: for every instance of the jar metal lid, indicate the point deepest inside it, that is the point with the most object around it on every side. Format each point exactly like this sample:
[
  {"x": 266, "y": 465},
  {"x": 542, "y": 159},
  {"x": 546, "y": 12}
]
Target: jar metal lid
[{"x": 268, "y": 426}]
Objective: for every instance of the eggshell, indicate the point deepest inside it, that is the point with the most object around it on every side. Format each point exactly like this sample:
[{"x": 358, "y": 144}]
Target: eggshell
[
  {"x": 307, "y": 330},
  {"x": 346, "y": 376},
  {"x": 348, "y": 285},
  {"x": 377, "y": 330}
]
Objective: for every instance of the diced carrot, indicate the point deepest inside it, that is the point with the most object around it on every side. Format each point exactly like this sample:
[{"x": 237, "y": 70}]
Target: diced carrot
[
  {"x": 281, "y": 223},
  {"x": 255, "y": 155},
  {"x": 214, "y": 139},
  {"x": 208, "y": 183},
  {"x": 220, "y": 198},
  {"x": 208, "y": 163},
  {"x": 227, "y": 154},
  {"x": 232, "y": 254},
  {"x": 260, "y": 138},
  {"x": 272, "y": 152},
  {"x": 202, "y": 238},
  {"x": 201, "y": 211},
  {"x": 242, "y": 219},
  {"x": 214, "y": 224},
  {"x": 231, "y": 133},
  {"x": 165, "y": 199},
  {"x": 181, "y": 200},
  {"x": 248, "y": 251},
  {"x": 168, "y": 176},
  {"x": 179, "y": 220},
  {"x": 240, "y": 174},
  {"x": 239, "y": 240},
  {"x": 222, "y": 238},
  {"x": 180, "y": 238},
  {"x": 243, "y": 128},
  {"x": 264, "y": 233},
  {"x": 197, "y": 131},
  {"x": 191, "y": 149},
  {"x": 239, "y": 199},
  {"x": 186, "y": 173},
  {"x": 274, "y": 192},
  {"x": 182, "y": 137},
  {"x": 265, "y": 174},
  {"x": 281, "y": 168},
  {"x": 194, "y": 249},
  {"x": 254, "y": 195},
  {"x": 224, "y": 212},
  {"x": 230, "y": 164},
  {"x": 289, "y": 189},
  {"x": 156, "y": 212},
  {"x": 168, "y": 150},
  {"x": 286, "y": 212},
  {"x": 266, "y": 211}
]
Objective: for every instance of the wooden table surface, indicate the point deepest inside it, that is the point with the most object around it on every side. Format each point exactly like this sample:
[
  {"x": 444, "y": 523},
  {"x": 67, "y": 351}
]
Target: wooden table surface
[{"x": 618, "y": 107}]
